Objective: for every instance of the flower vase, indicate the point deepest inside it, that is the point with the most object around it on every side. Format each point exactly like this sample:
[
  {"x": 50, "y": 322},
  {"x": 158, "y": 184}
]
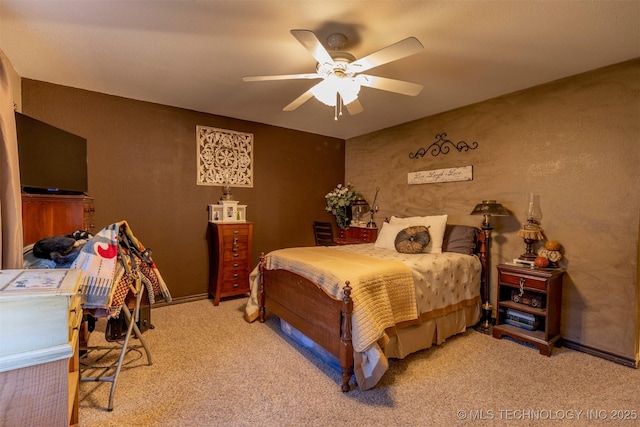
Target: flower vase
[{"x": 344, "y": 219}]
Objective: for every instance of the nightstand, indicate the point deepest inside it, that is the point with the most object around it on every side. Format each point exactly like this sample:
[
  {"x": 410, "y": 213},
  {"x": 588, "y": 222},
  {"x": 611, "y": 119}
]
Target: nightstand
[
  {"x": 229, "y": 259},
  {"x": 529, "y": 302}
]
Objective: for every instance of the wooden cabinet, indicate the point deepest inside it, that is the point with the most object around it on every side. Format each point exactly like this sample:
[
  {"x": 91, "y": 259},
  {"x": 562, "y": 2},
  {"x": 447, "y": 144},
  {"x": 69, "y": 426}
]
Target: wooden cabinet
[
  {"x": 356, "y": 235},
  {"x": 46, "y": 215},
  {"x": 39, "y": 352},
  {"x": 536, "y": 293},
  {"x": 229, "y": 259}
]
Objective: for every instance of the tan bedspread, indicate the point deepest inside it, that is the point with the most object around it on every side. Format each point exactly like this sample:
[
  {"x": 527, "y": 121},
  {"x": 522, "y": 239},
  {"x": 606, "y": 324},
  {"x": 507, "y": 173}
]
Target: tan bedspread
[{"x": 383, "y": 291}]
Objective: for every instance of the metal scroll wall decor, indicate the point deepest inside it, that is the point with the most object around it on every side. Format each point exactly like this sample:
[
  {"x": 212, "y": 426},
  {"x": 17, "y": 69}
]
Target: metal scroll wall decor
[
  {"x": 441, "y": 145},
  {"x": 225, "y": 157}
]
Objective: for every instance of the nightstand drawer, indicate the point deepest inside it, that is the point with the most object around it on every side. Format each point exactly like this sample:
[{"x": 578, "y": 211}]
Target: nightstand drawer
[{"x": 523, "y": 280}]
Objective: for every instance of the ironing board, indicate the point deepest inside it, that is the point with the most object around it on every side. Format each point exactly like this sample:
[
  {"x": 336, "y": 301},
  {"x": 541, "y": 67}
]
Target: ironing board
[{"x": 116, "y": 264}]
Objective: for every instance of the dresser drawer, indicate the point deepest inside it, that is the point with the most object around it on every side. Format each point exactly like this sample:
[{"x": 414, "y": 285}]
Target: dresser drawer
[
  {"x": 231, "y": 275},
  {"x": 238, "y": 264},
  {"x": 235, "y": 256},
  {"x": 235, "y": 243},
  {"x": 235, "y": 282},
  {"x": 519, "y": 280},
  {"x": 240, "y": 230},
  {"x": 75, "y": 315}
]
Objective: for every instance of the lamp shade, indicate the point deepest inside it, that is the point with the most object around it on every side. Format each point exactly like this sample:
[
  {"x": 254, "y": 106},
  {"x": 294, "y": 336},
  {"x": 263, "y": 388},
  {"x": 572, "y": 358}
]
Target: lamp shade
[{"x": 489, "y": 207}]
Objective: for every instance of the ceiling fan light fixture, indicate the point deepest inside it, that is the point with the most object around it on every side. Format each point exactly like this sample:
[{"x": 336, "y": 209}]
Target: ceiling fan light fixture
[
  {"x": 340, "y": 72},
  {"x": 326, "y": 92}
]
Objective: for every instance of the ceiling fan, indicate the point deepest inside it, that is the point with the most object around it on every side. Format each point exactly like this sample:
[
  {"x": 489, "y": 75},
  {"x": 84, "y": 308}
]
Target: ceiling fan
[{"x": 341, "y": 72}]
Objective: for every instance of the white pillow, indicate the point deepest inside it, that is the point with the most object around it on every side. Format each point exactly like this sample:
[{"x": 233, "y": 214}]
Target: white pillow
[
  {"x": 387, "y": 235},
  {"x": 435, "y": 223}
]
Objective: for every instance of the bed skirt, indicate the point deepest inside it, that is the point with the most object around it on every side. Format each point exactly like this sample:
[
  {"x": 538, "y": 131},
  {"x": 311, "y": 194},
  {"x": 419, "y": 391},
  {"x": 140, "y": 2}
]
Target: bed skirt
[{"x": 399, "y": 343}]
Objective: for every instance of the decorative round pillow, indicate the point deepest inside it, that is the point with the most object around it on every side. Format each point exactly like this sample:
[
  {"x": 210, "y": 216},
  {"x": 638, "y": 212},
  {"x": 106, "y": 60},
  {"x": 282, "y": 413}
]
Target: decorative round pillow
[{"x": 412, "y": 240}]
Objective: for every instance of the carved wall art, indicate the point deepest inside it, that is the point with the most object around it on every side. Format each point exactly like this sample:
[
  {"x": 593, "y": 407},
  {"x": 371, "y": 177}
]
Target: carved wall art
[
  {"x": 441, "y": 145},
  {"x": 225, "y": 157}
]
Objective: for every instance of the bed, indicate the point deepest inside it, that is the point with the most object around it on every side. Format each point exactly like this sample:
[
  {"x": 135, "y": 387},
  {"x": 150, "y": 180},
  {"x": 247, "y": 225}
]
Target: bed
[{"x": 364, "y": 304}]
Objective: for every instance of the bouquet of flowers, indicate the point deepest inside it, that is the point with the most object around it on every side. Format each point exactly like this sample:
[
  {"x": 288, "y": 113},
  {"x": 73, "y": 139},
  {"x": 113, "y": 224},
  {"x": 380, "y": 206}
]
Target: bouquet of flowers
[{"x": 339, "y": 204}]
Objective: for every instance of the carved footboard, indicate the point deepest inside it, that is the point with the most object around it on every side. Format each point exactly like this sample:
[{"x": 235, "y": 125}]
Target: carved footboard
[{"x": 308, "y": 308}]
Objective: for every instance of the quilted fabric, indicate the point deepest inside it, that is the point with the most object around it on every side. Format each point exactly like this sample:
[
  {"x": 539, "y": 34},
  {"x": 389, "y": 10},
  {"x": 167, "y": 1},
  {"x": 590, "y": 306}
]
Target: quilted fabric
[{"x": 412, "y": 240}]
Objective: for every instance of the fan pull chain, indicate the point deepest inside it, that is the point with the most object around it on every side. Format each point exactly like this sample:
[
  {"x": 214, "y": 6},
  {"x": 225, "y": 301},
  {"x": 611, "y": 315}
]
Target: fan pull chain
[{"x": 337, "y": 111}]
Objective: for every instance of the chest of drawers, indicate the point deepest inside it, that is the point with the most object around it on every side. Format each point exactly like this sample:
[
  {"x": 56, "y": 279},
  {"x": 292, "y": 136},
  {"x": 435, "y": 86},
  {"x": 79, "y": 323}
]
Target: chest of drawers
[{"x": 229, "y": 259}]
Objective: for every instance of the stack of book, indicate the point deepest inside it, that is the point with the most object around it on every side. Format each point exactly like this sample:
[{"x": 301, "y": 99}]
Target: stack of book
[{"x": 522, "y": 320}]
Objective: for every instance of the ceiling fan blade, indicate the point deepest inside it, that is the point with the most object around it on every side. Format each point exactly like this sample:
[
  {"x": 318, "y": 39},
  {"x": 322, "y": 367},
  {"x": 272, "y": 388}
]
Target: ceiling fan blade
[
  {"x": 390, "y": 85},
  {"x": 354, "y": 107},
  {"x": 401, "y": 49},
  {"x": 313, "y": 45},
  {"x": 301, "y": 99},
  {"x": 281, "y": 77}
]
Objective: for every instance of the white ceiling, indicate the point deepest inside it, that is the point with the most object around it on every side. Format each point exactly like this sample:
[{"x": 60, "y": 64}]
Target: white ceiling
[{"x": 193, "y": 54}]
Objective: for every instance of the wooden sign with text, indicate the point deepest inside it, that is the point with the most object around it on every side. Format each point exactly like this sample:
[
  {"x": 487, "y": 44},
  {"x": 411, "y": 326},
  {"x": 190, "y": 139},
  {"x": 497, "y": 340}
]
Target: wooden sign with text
[{"x": 464, "y": 173}]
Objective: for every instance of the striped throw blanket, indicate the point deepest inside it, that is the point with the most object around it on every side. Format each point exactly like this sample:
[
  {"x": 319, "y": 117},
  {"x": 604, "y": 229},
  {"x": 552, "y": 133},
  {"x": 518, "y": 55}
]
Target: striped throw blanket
[{"x": 109, "y": 277}]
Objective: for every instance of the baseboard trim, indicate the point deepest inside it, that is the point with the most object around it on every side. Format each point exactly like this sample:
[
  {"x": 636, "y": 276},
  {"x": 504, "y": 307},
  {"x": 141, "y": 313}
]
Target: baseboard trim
[
  {"x": 182, "y": 300},
  {"x": 626, "y": 361}
]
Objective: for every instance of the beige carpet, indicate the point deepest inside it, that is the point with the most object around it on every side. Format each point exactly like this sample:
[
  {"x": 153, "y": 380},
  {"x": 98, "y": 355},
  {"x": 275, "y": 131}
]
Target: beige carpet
[{"x": 211, "y": 368}]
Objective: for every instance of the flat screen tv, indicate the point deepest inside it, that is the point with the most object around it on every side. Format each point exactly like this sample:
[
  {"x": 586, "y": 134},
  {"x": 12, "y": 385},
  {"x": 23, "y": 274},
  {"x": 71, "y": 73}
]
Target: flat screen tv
[{"x": 52, "y": 160}]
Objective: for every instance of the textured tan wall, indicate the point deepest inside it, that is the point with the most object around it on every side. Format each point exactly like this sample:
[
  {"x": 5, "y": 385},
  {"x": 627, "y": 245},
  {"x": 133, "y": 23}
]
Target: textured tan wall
[
  {"x": 576, "y": 142},
  {"x": 142, "y": 168}
]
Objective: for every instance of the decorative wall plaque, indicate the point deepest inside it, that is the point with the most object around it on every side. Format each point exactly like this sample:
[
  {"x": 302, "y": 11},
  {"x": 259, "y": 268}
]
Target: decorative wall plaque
[
  {"x": 225, "y": 157},
  {"x": 464, "y": 173}
]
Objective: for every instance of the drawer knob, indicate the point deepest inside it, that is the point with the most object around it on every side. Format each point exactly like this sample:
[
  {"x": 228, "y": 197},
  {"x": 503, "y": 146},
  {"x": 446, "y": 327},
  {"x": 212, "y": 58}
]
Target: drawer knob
[{"x": 235, "y": 285}]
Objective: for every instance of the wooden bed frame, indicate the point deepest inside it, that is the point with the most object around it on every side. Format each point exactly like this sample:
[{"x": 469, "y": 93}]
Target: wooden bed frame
[{"x": 321, "y": 317}]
